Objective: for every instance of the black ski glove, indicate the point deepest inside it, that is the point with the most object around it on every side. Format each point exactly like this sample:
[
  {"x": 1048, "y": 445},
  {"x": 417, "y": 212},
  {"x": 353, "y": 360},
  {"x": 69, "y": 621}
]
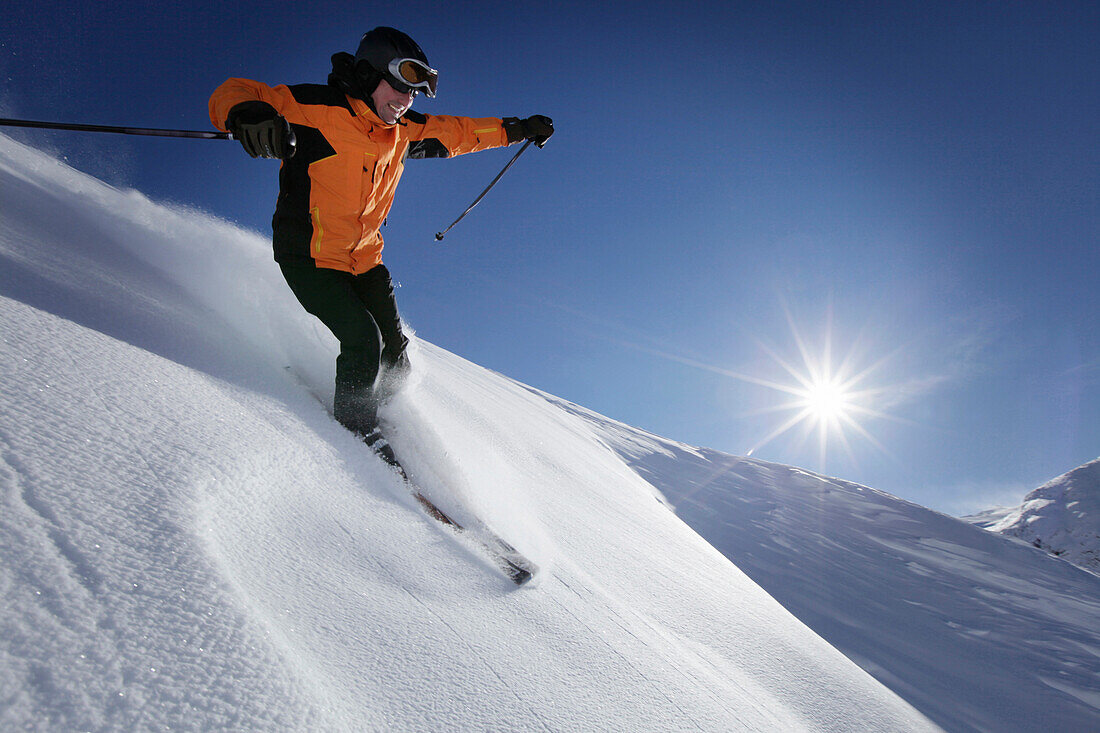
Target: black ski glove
[
  {"x": 538, "y": 128},
  {"x": 263, "y": 132}
]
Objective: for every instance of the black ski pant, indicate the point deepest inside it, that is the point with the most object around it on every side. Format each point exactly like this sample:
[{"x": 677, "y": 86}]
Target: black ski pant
[{"x": 361, "y": 312}]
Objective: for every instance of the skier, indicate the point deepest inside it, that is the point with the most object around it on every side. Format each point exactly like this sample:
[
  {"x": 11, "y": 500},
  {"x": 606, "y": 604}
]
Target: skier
[{"x": 343, "y": 146}]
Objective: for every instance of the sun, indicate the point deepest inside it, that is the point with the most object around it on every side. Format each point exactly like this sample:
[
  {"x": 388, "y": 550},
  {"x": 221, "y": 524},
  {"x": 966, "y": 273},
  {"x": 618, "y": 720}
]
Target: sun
[{"x": 828, "y": 401}]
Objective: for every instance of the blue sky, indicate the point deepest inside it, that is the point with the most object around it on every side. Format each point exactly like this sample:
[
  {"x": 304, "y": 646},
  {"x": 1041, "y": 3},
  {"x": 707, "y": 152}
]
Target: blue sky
[{"x": 910, "y": 188}]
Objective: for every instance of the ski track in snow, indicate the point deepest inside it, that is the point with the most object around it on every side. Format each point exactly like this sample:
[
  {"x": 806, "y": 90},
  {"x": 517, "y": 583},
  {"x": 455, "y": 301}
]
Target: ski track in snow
[{"x": 189, "y": 541}]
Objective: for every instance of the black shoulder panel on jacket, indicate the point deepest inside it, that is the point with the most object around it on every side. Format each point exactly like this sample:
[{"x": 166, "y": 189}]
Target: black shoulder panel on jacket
[
  {"x": 325, "y": 94},
  {"x": 312, "y": 146},
  {"x": 292, "y": 225},
  {"x": 417, "y": 117},
  {"x": 430, "y": 148}
]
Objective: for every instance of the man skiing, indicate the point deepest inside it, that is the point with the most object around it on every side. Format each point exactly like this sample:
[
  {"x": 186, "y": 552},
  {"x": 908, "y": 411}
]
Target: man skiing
[{"x": 343, "y": 147}]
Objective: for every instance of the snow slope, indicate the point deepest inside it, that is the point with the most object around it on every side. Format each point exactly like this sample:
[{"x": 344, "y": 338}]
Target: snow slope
[
  {"x": 977, "y": 631},
  {"x": 189, "y": 541},
  {"x": 1062, "y": 517}
]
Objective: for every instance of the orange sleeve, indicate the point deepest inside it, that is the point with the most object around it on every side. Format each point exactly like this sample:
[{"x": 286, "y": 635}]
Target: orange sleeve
[
  {"x": 461, "y": 135},
  {"x": 235, "y": 91}
]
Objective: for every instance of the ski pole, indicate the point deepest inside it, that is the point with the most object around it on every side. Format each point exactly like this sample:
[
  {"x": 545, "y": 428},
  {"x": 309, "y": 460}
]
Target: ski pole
[
  {"x": 111, "y": 128},
  {"x": 439, "y": 235}
]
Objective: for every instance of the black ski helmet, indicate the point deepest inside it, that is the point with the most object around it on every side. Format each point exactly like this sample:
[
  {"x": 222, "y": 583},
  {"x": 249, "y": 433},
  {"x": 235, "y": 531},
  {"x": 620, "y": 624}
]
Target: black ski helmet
[{"x": 382, "y": 45}]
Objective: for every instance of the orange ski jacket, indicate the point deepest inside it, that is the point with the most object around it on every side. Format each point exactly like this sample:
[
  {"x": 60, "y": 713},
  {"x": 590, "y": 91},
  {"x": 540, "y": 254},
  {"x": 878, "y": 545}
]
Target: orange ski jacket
[{"x": 336, "y": 190}]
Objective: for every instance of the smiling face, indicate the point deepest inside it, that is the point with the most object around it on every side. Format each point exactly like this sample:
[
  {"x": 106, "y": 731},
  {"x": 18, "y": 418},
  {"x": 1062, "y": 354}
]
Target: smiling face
[{"x": 389, "y": 103}]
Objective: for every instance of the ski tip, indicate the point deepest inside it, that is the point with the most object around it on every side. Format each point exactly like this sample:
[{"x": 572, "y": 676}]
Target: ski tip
[{"x": 520, "y": 574}]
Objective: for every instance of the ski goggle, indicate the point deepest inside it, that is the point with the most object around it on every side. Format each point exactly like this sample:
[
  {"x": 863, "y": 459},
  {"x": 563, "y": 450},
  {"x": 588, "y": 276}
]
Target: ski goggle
[{"x": 411, "y": 75}]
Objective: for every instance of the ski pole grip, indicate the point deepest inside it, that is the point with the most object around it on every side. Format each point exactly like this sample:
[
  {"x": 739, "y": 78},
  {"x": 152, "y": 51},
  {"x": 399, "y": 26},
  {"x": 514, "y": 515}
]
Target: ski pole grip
[{"x": 291, "y": 142}]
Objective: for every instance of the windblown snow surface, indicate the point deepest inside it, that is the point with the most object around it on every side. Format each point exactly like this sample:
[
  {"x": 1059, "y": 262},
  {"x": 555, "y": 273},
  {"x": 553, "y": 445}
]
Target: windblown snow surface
[{"x": 189, "y": 541}]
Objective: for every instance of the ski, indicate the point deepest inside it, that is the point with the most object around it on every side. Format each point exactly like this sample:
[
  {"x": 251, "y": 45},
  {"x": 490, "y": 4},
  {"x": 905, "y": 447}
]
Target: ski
[
  {"x": 507, "y": 558},
  {"x": 513, "y": 564}
]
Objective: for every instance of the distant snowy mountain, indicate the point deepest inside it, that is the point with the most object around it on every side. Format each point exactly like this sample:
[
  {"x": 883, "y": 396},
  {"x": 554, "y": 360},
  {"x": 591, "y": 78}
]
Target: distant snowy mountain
[
  {"x": 1062, "y": 517},
  {"x": 986, "y": 518},
  {"x": 188, "y": 541}
]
